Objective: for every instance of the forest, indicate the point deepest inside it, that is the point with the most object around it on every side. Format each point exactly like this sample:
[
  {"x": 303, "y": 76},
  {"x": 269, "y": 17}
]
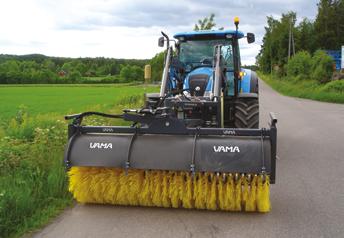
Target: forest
[{"x": 41, "y": 69}]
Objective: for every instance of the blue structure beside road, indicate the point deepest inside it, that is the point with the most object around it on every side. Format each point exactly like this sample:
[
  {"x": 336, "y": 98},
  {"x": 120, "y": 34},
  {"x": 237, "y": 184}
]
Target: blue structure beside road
[{"x": 337, "y": 57}]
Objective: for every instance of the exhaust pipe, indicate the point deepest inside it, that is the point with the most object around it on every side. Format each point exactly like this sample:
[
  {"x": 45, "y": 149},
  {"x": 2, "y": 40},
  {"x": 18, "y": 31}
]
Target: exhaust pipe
[
  {"x": 217, "y": 74},
  {"x": 164, "y": 79}
]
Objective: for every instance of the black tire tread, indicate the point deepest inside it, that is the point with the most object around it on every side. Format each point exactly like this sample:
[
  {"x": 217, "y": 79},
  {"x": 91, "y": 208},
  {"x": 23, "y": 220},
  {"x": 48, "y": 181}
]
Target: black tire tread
[{"x": 246, "y": 113}]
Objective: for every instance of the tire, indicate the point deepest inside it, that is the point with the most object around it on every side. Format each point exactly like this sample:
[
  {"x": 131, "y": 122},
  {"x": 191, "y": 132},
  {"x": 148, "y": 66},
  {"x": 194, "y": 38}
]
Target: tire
[{"x": 246, "y": 113}]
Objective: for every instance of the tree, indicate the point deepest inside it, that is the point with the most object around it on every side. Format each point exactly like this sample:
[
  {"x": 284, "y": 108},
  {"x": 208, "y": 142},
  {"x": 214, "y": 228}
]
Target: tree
[
  {"x": 79, "y": 66},
  {"x": 157, "y": 64},
  {"x": 300, "y": 65},
  {"x": 322, "y": 67},
  {"x": 305, "y": 36},
  {"x": 130, "y": 73},
  {"x": 329, "y": 25},
  {"x": 49, "y": 64},
  {"x": 274, "y": 51},
  {"x": 74, "y": 76},
  {"x": 12, "y": 71},
  {"x": 206, "y": 23},
  {"x": 67, "y": 66}
]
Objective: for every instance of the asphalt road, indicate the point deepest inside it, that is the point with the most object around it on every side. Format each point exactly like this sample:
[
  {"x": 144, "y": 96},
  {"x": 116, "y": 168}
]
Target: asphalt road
[{"x": 307, "y": 200}]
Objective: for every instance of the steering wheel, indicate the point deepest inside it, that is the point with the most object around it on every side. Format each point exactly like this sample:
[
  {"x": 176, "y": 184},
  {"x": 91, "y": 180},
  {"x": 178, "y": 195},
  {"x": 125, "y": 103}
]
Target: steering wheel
[{"x": 206, "y": 61}]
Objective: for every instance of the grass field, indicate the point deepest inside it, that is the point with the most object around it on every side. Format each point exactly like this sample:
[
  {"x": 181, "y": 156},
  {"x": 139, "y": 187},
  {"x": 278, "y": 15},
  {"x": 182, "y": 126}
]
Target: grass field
[
  {"x": 62, "y": 99},
  {"x": 33, "y": 184}
]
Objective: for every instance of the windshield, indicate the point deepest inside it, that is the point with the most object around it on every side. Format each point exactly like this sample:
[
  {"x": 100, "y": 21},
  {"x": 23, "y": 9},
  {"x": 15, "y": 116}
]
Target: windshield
[{"x": 196, "y": 53}]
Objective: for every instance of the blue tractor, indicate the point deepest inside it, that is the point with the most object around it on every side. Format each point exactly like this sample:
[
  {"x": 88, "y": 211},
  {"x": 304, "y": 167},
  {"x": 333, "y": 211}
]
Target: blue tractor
[
  {"x": 195, "y": 144},
  {"x": 205, "y": 71}
]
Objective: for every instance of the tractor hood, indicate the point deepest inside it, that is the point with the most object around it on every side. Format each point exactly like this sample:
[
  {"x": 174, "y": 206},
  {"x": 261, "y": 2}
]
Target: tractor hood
[{"x": 199, "y": 81}]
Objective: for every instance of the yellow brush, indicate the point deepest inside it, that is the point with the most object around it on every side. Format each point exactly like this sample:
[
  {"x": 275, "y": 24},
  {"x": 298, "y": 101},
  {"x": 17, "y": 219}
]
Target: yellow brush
[{"x": 170, "y": 189}]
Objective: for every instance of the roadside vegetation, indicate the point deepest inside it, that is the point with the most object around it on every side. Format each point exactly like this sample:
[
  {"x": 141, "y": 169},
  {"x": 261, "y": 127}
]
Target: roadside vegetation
[
  {"x": 310, "y": 72},
  {"x": 310, "y": 89},
  {"x": 308, "y": 77},
  {"x": 33, "y": 185}
]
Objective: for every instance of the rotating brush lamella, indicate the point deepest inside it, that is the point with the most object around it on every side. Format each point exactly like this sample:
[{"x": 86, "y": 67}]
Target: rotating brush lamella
[{"x": 212, "y": 191}]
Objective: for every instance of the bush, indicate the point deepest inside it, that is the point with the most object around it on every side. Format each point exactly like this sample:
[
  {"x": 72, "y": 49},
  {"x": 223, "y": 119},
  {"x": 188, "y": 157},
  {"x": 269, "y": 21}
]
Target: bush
[
  {"x": 157, "y": 63},
  {"x": 322, "y": 67},
  {"x": 33, "y": 181},
  {"x": 23, "y": 126},
  {"x": 334, "y": 86},
  {"x": 300, "y": 65},
  {"x": 110, "y": 79}
]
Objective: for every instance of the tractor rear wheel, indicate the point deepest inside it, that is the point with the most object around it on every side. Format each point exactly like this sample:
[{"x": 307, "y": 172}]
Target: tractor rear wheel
[{"x": 246, "y": 112}]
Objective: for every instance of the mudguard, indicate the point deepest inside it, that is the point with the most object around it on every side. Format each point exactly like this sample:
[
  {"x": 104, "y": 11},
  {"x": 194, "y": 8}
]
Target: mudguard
[{"x": 249, "y": 82}]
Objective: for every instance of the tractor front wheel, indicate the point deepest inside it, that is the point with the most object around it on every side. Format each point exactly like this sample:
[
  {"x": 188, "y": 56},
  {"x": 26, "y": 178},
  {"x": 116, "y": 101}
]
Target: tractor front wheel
[{"x": 246, "y": 113}]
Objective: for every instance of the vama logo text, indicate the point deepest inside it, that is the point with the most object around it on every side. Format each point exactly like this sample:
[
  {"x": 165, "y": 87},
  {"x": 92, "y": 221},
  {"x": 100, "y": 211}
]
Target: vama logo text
[
  {"x": 98, "y": 145},
  {"x": 226, "y": 149}
]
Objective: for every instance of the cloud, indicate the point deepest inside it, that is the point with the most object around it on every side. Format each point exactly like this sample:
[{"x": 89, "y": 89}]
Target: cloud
[{"x": 127, "y": 29}]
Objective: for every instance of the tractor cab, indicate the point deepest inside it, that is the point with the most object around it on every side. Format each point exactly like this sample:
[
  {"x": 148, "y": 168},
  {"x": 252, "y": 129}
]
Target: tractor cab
[
  {"x": 195, "y": 51},
  {"x": 192, "y": 65}
]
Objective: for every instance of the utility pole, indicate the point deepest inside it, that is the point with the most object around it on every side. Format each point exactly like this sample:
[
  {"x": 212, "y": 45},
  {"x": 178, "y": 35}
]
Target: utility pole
[
  {"x": 289, "y": 46},
  {"x": 270, "y": 59},
  {"x": 291, "y": 39}
]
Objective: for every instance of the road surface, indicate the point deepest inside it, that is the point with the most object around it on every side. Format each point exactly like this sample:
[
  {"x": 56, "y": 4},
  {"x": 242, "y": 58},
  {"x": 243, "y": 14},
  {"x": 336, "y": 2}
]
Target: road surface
[{"x": 307, "y": 200}]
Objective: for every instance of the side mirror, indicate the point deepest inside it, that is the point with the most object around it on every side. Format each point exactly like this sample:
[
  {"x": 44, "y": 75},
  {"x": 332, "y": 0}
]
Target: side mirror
[
  {"x": 250, "y": 38},
  {"x": 161, "y": 41}
]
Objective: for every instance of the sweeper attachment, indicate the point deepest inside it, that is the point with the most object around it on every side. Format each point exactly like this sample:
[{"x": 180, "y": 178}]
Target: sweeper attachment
[{"x": 196, "y": 144}]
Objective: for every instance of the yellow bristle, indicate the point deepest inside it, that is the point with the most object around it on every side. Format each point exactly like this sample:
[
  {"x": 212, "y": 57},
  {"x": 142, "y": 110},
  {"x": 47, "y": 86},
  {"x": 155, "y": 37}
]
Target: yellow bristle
[
  {"x": 174, "y": 190},
  {"x": 156, "y": 188},
  {"x": 135, "y": 179},
  {"x": 237, "y": 195},
  {"x": 144, "y": 195},
  {"x": 263, "y": 194},
  {"x": 170, "y": 189},
  {"x": 221, "y": 194},
  {"x": 123, "y": 190},
  {"x": 251, "y": 199},
  {"x": 166, "y": 202},
  {"x": 212, "y": 193},
  {"x": 187, "y": 192},
  {"x": 230, "y": 197},
  {"x": 245, "y": 192}
]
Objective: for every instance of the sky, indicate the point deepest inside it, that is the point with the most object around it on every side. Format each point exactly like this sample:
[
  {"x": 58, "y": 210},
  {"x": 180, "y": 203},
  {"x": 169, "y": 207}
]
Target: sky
[{"x": 128, "y": 28}]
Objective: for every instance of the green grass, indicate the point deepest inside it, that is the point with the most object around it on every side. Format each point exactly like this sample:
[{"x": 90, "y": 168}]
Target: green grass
[
  {"x": 330, "y": 92},
  {"x": 33, "y": 183},
  {"x": 64, "y": 99}
]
